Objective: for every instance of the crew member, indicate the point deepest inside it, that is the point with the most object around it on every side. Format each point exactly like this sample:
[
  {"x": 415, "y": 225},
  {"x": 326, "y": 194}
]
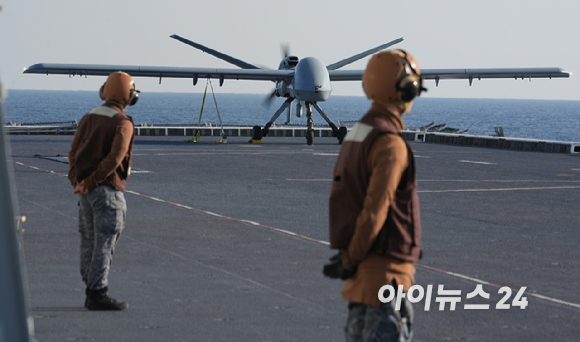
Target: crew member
[
  {"x": 374, "y": 208},
  {"x": 99, "y": 165}
]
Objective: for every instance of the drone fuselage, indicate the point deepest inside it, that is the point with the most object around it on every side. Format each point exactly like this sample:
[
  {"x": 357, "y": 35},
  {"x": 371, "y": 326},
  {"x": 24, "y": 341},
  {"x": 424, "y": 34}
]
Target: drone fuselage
[{"x": 311, "y": 81}]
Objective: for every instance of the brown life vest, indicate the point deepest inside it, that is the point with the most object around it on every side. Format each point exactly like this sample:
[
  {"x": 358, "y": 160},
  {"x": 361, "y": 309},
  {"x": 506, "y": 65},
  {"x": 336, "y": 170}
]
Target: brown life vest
[
  {"x": 96, "y": 132},
  {"x": 401, "y": 232}
]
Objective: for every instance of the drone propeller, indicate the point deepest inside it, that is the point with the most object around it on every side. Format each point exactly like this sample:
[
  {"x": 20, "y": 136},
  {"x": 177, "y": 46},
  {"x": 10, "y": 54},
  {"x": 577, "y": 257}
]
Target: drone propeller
[
  {"x": 285, "y": 47},
  {"x": 267, "y": 102}
]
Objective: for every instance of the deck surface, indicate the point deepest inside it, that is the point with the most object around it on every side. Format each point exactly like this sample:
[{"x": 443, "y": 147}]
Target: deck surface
[{"x": 208, "y": 252}]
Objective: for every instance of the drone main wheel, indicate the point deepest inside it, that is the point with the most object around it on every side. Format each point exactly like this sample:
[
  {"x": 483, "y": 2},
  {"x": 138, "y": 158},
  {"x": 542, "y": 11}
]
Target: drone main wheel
[
  {"x": 342, "y": 131},
  {"x": 309, "y": 138}
]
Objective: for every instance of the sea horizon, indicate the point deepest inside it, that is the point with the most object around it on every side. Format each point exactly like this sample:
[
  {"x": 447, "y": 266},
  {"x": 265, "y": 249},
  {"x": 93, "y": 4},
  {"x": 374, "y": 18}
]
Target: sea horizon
[{"x": 521, "y": 118}]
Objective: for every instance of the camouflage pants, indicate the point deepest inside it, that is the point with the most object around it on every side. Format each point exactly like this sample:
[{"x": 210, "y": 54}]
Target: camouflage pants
[
  {"x": 102, "y": 215},
  {"x": 379, "y": 324}
]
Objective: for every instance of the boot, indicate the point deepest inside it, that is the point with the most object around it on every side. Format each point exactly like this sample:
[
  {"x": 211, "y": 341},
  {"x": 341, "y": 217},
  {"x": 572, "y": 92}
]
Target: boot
[
  {"x": 100, "y": 300},
  {"x": 86, "y": 297}
]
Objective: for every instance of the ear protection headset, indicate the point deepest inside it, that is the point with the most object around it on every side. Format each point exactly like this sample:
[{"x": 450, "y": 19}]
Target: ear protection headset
[
  {"x": 410, "y": 83},
  {"x": 392, "y": 76},
  {"x": 117, "y": 91},
  {"x": 133, "y": 95},
  {"x": 102, "y": 92}
]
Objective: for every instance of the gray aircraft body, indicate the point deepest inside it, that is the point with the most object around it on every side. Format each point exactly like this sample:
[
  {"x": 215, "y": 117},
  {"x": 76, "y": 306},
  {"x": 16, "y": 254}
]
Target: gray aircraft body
[{"x": 306, "y": 81}]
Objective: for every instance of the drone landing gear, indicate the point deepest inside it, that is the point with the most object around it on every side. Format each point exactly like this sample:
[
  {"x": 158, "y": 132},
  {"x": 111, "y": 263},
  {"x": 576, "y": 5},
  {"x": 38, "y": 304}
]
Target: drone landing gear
[
  {"x": 309, "y": 125},
  {"x": 276, "y": 115},
  {"x": 339, "y": 133}
]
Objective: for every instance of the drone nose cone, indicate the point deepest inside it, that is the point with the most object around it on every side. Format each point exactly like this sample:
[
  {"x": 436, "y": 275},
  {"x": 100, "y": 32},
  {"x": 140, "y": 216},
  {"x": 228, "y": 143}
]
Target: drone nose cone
[{"x": 311, "y": 80}]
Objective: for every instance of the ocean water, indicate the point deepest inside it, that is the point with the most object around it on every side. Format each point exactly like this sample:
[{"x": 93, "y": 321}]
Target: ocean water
[{"x": 534, "y": 119}]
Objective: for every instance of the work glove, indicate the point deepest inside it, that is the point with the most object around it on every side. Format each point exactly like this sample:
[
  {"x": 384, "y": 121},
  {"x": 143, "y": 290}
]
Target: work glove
[{"x": 335, "y": 269}]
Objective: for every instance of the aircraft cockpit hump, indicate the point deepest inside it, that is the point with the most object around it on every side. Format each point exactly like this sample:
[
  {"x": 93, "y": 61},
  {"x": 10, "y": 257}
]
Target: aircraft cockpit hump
[{"x": 289, "y": 62}]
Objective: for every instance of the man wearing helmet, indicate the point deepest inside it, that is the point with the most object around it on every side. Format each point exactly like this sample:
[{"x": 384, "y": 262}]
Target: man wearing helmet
[
  {"x": 99, "y": 165},
  {"x": 373, "y": 208}
]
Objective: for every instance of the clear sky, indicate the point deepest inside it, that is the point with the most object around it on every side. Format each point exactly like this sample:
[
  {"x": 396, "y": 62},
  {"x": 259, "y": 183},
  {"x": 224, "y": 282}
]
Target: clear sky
[{"x": 440, "y": 34}]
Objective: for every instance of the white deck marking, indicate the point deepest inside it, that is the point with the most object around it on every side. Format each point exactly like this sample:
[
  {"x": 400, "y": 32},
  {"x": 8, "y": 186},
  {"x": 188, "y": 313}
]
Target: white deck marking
[
  {"x": 477, "y": 162},
  {"x": 498, "y": 180},
  {"x": 456, "y": 181},
  {"x": 309, "y": 180},
  {"x": 501, "y": 189},
  {"x": 215, "y": 153}
]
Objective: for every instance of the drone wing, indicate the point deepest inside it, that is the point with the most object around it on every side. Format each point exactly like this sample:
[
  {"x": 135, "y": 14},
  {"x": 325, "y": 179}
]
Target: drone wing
[
  {"x": 160, "y": 72},
  {"x": 469, "y": 74},
  {"x": 215, "y": 53},
  {"x": 355, "y": 58}
]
